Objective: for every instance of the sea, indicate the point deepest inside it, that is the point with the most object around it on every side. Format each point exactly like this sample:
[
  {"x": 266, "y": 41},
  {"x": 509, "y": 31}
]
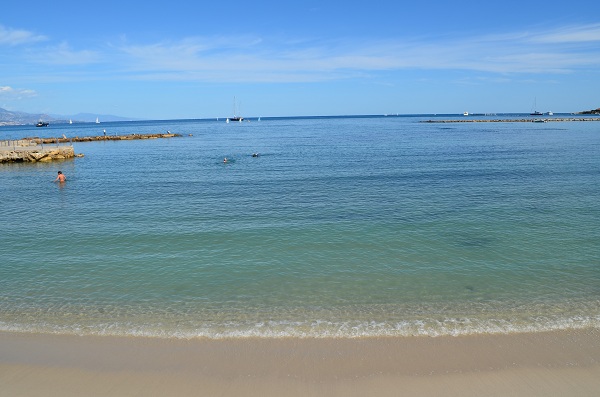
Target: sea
[{"x": 339, "y": 227}]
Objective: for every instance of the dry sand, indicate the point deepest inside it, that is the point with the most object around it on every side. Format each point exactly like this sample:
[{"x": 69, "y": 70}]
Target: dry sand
[{"x": 565, "y": 363}]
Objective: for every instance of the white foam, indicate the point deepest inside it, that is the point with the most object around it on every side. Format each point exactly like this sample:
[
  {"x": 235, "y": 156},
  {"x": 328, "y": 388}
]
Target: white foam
[{"x": 316, "y": 328}]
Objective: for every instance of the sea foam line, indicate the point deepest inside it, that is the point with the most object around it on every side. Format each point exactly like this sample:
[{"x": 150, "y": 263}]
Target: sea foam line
[{"x": 315, "y": 329}]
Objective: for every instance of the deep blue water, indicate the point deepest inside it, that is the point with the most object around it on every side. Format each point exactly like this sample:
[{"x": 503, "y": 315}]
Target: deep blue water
[{"x": 341, "y": 227}]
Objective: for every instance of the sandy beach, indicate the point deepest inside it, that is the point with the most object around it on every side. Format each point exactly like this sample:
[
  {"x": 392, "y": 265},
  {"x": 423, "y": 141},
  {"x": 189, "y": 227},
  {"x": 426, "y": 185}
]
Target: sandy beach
[{"x": 538, "y": 364}]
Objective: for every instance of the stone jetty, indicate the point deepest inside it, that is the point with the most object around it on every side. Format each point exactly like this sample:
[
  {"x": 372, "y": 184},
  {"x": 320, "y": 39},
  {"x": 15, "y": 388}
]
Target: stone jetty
[
  {"x": 27, "y": 151},
  {"x": 48, "y": 149},
  {"x": 522, "y": 120},
  {"x": 128, "y": 137}
]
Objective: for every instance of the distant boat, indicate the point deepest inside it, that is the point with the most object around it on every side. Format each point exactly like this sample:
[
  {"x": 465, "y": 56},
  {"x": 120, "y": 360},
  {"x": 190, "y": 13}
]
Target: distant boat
[
  {"x": 535, "y": 112},
  {"x": 70, "y": 121},
  {"x": 550, "y": 113},
  {"x": 235, "y": 117},
  {"x": 97, "y": 121},
  {"x": 465, "y": 113},
  {"x": 42, "y": 124}
]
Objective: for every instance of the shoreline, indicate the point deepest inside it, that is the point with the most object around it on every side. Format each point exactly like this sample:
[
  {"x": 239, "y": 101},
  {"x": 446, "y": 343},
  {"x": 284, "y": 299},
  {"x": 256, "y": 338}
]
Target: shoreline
[{"x": 528, "y": 364}]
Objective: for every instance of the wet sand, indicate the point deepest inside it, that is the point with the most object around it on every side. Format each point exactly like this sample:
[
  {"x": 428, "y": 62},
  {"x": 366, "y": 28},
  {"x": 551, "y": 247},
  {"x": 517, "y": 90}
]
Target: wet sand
[{"x": 565, "y": 363}]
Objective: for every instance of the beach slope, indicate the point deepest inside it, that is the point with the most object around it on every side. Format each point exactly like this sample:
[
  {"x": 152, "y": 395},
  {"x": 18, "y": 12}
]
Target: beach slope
[{"x": 537, "y": 364}]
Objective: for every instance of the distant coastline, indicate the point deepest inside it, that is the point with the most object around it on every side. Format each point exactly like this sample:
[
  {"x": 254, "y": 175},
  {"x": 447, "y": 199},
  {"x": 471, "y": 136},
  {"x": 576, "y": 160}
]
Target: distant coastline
[
  {"x": 521, "y": 120},
  {"x": 15, "y": 118},
  {"x": 593, "y": 111}
]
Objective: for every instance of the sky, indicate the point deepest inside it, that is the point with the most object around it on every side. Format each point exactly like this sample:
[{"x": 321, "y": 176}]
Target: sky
[{"x": 189, "y": 60}]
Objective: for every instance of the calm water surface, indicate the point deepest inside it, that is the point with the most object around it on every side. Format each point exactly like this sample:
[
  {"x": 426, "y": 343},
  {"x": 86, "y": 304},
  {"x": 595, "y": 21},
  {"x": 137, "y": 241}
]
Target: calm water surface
[{"x": 341, "y": 227}]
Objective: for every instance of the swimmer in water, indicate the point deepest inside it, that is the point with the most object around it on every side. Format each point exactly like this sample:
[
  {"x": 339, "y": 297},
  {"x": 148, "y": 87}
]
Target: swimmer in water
[
  {"x": 225, "y": 160},
  {"x": 61, "y": 177}
]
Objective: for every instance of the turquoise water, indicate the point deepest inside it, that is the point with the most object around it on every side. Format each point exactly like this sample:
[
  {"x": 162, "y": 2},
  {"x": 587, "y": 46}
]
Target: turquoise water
[{"x": 341, "y": 227}]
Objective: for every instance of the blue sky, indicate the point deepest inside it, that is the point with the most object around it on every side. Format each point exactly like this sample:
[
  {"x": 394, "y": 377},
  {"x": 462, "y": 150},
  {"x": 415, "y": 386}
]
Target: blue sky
[{"x": 184, "y": 60}]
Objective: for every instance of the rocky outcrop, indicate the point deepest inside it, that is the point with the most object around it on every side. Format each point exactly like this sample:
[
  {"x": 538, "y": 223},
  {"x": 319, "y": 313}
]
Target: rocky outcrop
[
  {"x": 36, "y": 154},
  {"x": 593, "y": 111}
]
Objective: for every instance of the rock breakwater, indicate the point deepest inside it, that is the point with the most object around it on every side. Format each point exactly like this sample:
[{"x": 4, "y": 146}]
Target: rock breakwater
[
  {"x": 35, "y": 153},
  {"x": 34, "y": 149},
  {"x": 128, "y": 137},
  {"x": 522, "y": 120}
]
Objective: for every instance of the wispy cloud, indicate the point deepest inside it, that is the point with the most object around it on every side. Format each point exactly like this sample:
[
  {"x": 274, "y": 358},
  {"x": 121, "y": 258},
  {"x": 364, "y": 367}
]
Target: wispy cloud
[
  {"x": 13, "y": 37},
  {"x": 552, "y": 51},
  {"x": 263, "y": 59},
  {"x": 570, "y": 34},
  {"x": 63, "y": 54},
  {"x": 562, "y": 50},
  {"x": 12, "y": 93}
]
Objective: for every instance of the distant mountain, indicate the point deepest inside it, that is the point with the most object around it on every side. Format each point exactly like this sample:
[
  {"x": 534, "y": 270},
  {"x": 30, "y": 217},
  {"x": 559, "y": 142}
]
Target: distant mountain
[
  {"x": 8, "y": 117},
  {"x": 21, "y": 118}
]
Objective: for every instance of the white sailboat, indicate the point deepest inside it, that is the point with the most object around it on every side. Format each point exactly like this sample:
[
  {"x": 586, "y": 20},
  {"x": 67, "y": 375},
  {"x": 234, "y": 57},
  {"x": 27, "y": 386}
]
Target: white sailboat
[
  {"x": 70, "y": 121},
  {"x": 97, "y": 121}
]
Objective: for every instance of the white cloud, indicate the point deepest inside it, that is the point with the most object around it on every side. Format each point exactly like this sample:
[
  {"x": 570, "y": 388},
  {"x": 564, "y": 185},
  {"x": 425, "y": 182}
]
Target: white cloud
[
  {"x": 571, "y": 34},
  {"x": 13, "y": 37},
  {"x": 12, "y": 93},
  {"x": 63, "y": 54},
  {"x": 256, "y": 59},
  {"x": 260, "y": 60}
]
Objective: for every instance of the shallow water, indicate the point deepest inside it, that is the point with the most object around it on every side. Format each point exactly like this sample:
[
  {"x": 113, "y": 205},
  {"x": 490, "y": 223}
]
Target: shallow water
[{"x": 341, "y": 227}]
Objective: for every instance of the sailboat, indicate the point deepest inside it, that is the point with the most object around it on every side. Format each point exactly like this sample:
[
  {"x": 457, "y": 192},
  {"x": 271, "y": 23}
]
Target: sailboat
[
  {"x": 70, "y": 121},
  {"x": 535, "y": 112},
  {"x": 235, "y": 118},
  {"x": 97, "y": 121}
]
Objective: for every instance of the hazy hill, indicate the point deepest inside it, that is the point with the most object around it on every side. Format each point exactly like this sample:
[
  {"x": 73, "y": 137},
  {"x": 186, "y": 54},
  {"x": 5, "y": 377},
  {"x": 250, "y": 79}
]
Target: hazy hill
[
  {"x": 8, "y": 117},
  {"x": 20, "y": 118}
]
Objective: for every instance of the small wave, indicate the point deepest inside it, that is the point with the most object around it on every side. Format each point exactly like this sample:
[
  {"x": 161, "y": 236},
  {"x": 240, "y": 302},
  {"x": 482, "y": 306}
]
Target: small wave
[{"x": 315, "y": 329}]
